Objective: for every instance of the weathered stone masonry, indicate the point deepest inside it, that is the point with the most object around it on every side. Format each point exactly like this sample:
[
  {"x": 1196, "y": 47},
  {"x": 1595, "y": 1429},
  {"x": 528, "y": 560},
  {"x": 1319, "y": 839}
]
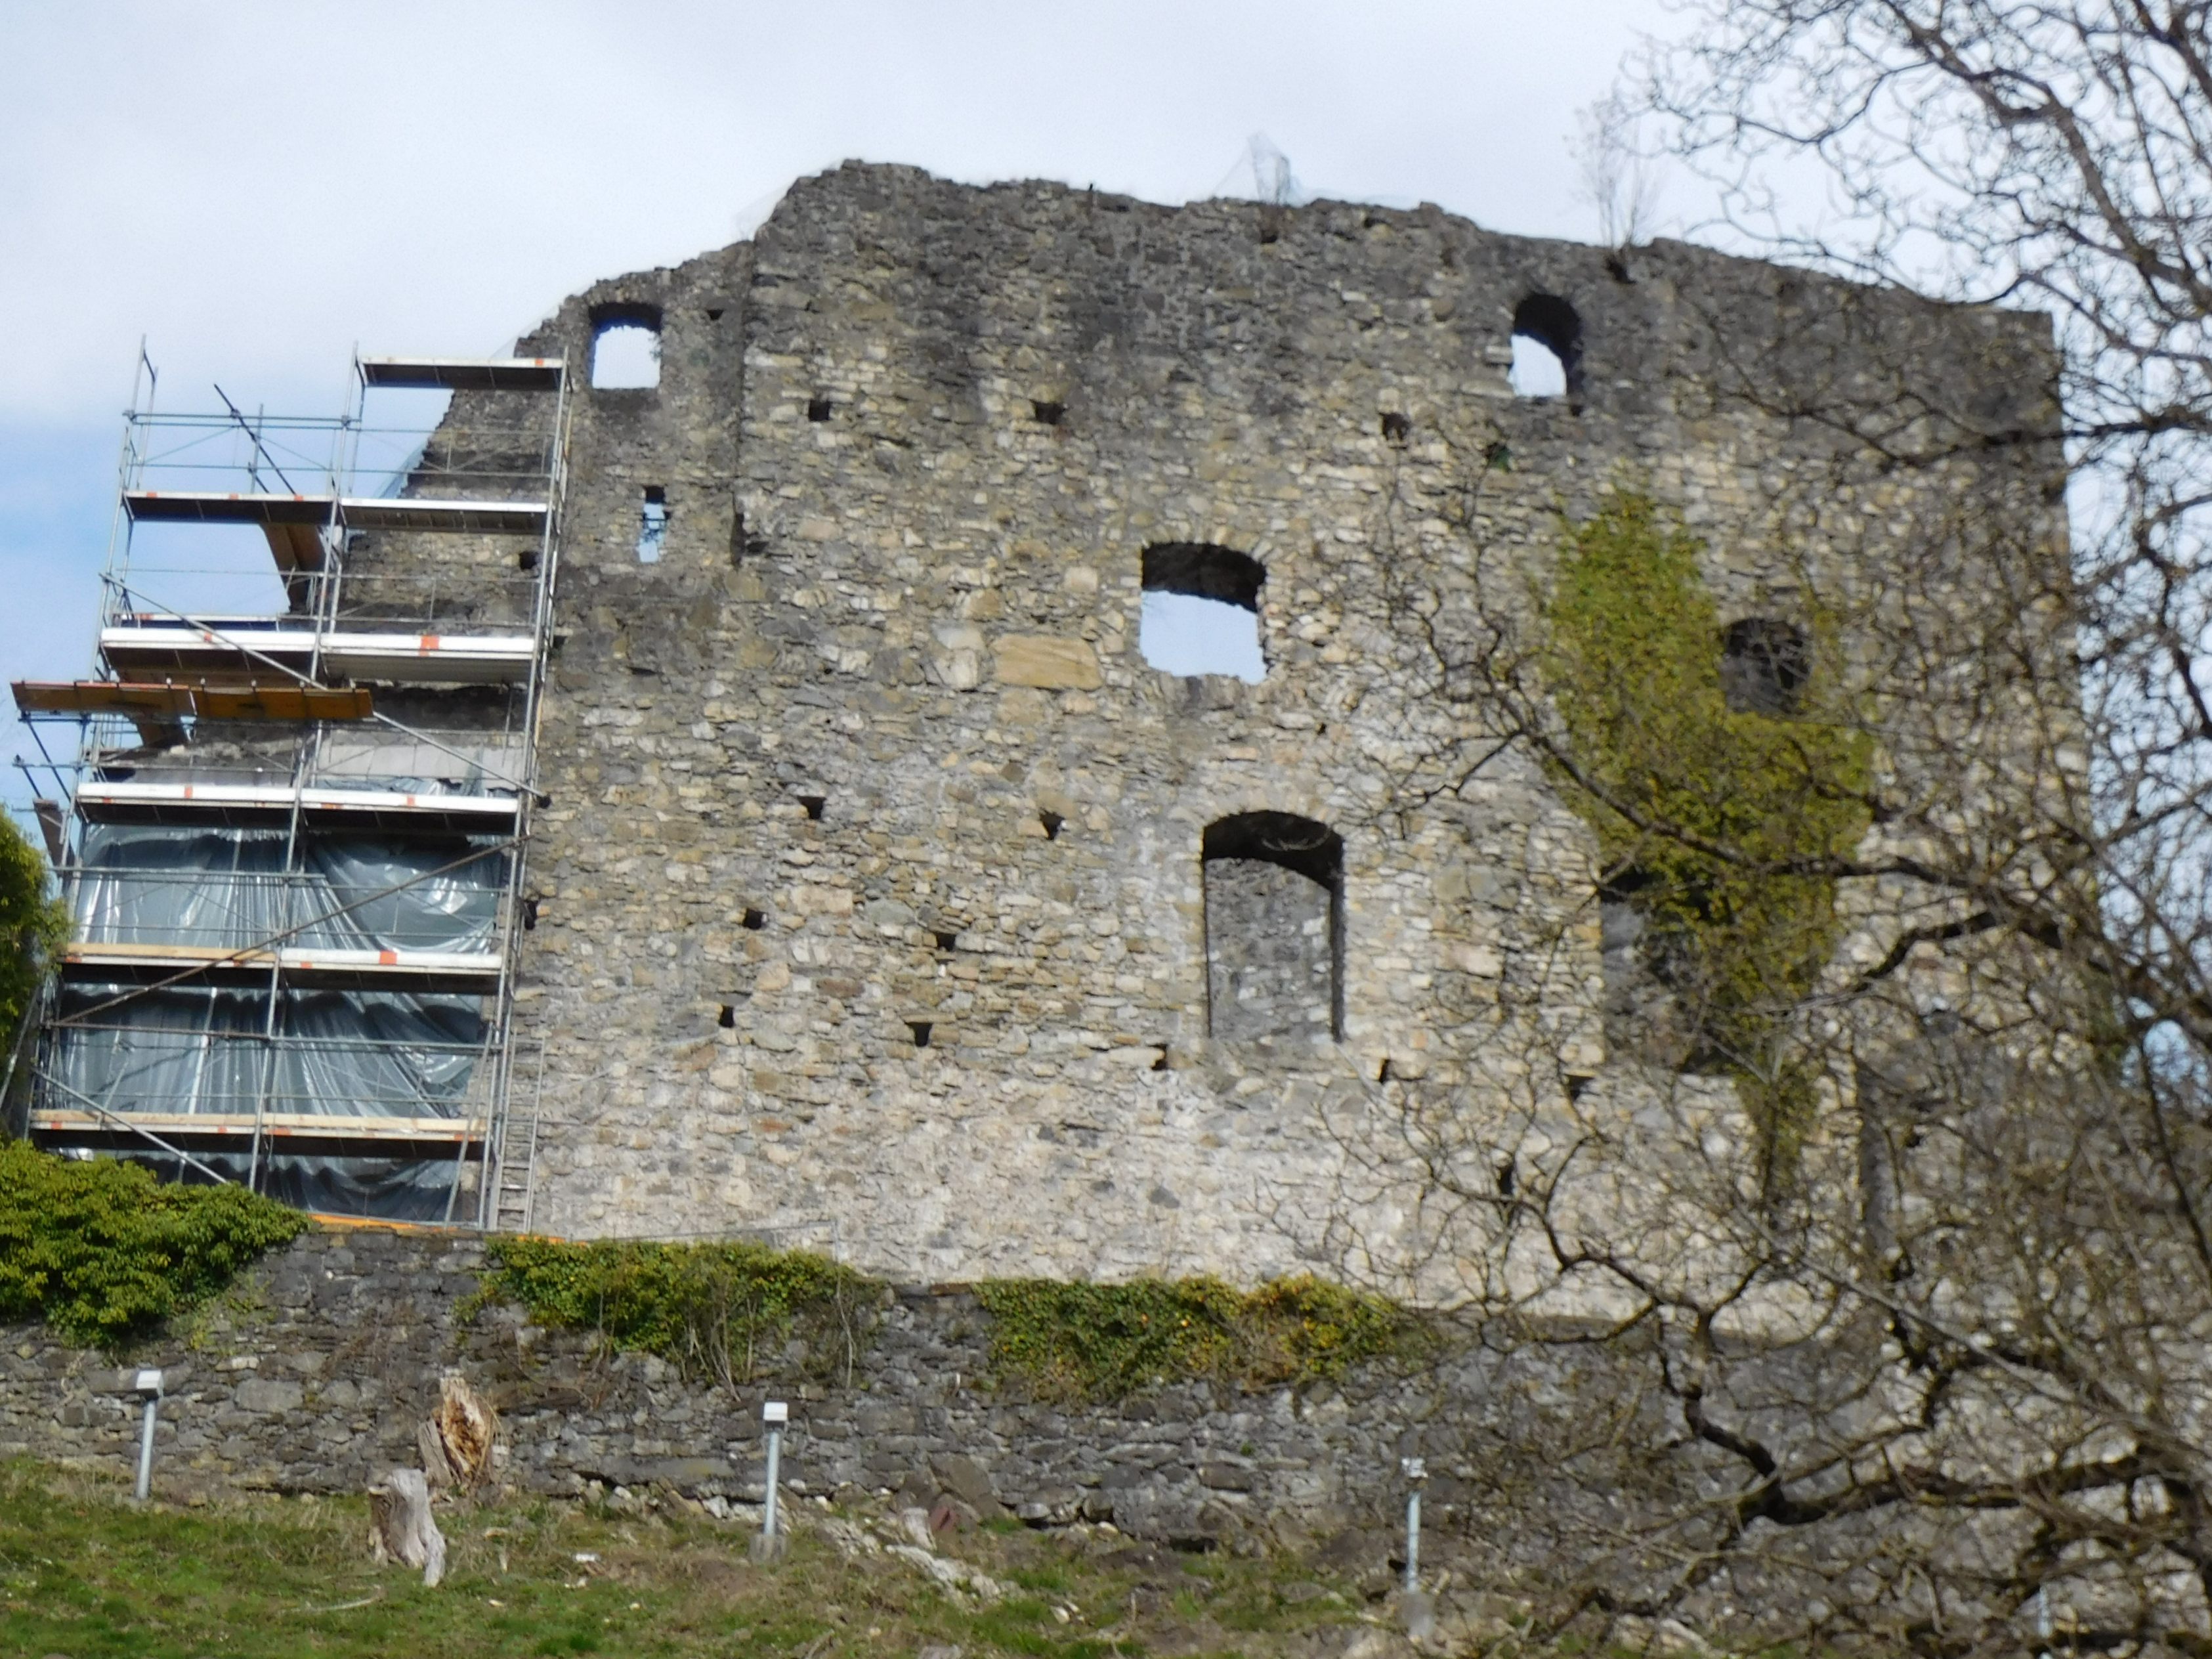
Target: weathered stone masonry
[
  {"x": 313, "y": 1375},
  {"x": 871, "y": 748}
]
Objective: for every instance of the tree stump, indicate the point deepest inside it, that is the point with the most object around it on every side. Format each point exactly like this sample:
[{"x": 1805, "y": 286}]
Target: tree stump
[
  {"x": 401, "y": 1527},
  {"x": 466, "y": 1430}
]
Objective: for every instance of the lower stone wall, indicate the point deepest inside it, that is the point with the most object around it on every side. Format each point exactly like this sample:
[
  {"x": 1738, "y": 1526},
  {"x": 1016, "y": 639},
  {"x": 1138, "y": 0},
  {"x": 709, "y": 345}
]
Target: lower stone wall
[{"x": 315, "y": 1372}]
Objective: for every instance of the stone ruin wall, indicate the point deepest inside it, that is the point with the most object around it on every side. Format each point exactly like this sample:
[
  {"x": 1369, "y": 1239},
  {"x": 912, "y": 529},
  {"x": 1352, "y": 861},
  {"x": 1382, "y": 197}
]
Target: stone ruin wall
[
  {"x": 893, "y": 586},
  {"x": 315, "y": 1373}
]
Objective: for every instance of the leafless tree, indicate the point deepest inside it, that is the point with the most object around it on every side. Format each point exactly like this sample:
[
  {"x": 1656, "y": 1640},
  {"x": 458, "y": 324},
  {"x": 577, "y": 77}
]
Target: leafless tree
[
  {"x": 1941, "y": 1377},
  {"x": 1619, "y": 177}
]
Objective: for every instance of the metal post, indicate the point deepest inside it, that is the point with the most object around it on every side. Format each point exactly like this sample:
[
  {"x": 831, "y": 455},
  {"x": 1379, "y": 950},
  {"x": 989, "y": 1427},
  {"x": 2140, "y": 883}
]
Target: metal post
[
  {"x": 775, "y": 1414},
  {"x": 1416, "y": 1471},
  {"x": 149, "y": 1388},
  {"x": 769, "y": 1546},
  {"x": 1417, "y": 1609}
]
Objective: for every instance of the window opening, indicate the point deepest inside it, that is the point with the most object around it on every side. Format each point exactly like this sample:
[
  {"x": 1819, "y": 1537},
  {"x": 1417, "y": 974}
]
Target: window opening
[
  {"x": 625, "y": 347},
  {"x": 1547, "y": 349},
  {"x": 919, "y": 1030},
  {"x": 1275, "y": 928},
  {"x": 1201, "y": 610},
  {"x": 653, "y": 525},
  {"x": 817, "y": 409},
  {"x": 1764, "y": 667}
]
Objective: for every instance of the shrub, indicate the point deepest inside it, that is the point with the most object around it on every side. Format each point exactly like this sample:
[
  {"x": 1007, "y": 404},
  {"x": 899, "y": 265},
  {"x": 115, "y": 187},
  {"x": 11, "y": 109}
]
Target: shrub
[
  {"x": 719, "y": 1309},
  {"x": 1108, "y": 1341},
  {"x": 102, "y": 1251}
]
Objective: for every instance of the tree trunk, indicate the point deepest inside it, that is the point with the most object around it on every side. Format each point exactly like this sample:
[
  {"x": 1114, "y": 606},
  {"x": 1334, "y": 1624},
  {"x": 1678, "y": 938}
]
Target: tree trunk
[{"x": 402, "y": 1528}]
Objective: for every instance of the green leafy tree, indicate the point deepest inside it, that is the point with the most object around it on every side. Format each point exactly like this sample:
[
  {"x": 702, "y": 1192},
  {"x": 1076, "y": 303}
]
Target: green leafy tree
[{"x": 32, "y": 924}]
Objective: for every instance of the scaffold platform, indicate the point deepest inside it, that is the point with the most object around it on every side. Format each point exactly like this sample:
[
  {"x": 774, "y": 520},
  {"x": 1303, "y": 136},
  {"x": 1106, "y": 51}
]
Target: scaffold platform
[
  {"x": 464, "y": 373},
  {"x": 422, "y": 972},
  {"x": 248, "y": 646},
  {"x": 261, "y": 806}
]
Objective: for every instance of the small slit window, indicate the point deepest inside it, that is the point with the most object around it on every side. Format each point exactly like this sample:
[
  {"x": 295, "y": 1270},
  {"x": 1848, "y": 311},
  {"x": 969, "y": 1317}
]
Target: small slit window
[
  {"x": 1201, "y": 610},
  {"x": 653, "y": 525},
  {"x": 1765, "y": 664},
  {"x": 1547, "y": 349},
  {"x": 625, "y": 347},
  {"x": 1275, "y": 928}
]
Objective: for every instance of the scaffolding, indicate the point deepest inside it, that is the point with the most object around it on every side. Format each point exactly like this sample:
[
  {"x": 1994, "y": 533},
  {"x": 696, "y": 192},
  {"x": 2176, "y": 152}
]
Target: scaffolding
[{"x": 289, "y": 809}]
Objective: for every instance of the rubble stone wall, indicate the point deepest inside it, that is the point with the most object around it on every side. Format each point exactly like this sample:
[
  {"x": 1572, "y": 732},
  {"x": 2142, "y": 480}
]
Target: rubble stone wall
[
  {"x": 871, "y": 747},
  {"x": 316, "y": 1371}
]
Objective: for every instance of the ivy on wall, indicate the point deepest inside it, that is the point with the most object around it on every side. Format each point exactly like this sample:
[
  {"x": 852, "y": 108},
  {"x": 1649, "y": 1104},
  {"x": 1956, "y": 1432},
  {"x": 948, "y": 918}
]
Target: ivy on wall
[
  {"x": 1098, "y": 1342},
  {"x": 1707, "y": 818},
  {"x": 725, "y": 1310},
  {"x": 730, "y": 1310},
  {"x": 102, "y": 1251}
]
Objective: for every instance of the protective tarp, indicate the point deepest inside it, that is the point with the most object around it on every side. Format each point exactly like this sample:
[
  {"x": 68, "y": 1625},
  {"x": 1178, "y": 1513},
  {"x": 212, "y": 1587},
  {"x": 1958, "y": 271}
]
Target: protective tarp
[
  {"x": 193, "y": 1048},
  {"x": 228, "y": 888}
]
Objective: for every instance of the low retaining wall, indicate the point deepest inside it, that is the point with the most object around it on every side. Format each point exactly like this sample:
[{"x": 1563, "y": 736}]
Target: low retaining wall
[{"x": 314, "y": 1372}]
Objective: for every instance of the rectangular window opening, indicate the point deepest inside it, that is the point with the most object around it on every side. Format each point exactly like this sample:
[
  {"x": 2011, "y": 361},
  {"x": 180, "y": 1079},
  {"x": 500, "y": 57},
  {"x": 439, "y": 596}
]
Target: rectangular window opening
[{"x": 653, "y": 525}]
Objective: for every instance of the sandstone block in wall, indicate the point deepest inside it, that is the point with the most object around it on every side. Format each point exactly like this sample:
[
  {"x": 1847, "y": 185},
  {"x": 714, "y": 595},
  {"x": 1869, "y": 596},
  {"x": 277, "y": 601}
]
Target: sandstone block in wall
[
  {"x": 268, "y": 1397},
  {"x": 1047, "y": 662}
]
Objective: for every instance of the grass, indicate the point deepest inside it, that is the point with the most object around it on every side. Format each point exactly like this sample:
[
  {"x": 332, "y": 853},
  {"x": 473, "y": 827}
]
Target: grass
[{"x": 85, "y": 1573}]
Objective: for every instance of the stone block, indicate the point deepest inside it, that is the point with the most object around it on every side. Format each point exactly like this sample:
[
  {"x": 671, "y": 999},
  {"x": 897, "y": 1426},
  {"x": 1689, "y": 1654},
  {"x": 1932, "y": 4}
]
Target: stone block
[
  {"x": 269, "y": 1396},
  {"x": 1228, "y": 1477},
  {"x": 1046, "y": 662},
  {"x": 967, "y": 1480}
]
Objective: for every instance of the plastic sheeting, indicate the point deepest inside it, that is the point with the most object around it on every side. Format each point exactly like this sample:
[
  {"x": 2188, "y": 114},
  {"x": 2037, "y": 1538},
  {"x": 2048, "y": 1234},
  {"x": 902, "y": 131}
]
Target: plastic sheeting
[
  {"x": 228, "y": 888},
  {"x": 189, "y": 1049}
]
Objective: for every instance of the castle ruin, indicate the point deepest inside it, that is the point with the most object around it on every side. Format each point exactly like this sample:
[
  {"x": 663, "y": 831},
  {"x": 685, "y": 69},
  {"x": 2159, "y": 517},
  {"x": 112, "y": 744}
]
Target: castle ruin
[{"x": 850, "y": 878}]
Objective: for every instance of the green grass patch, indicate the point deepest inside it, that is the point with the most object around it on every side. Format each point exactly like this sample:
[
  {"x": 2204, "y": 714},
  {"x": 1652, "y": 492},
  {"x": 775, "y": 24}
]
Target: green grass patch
[
  {"x": 725, "y": 1310},
  {"x": 102, "y": 1251},
  {"x": 1100, "y": 1342},
  {"x": 84, "y": 1572}
]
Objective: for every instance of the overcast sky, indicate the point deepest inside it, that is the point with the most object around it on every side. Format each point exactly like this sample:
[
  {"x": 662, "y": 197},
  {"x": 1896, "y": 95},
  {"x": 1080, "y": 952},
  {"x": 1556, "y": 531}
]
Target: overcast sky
[{"x": 257, "y": 188}]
